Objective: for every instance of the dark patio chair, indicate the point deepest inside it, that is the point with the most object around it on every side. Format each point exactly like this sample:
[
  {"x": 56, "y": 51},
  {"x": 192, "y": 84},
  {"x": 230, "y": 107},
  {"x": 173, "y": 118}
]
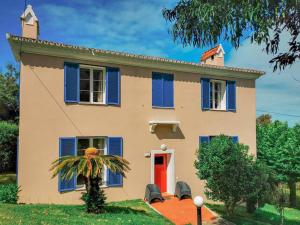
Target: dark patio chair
[
  {"x": 182, "y": 190},
  {"x": 152, "y": 193}
]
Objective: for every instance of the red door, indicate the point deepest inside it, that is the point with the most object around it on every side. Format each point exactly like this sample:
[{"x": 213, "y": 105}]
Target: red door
[{"x": 160, "y": 171}]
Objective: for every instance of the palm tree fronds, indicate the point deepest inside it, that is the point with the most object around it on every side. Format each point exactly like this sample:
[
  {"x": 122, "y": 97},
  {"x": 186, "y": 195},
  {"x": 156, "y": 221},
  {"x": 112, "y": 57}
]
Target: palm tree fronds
[{"x": 88, "y": 165}]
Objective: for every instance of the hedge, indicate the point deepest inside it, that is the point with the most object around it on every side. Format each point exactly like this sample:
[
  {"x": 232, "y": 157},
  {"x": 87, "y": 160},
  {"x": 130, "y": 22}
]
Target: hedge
[
  {"x": 8, "y": 146},
  {"x": 9, "y": 193}
]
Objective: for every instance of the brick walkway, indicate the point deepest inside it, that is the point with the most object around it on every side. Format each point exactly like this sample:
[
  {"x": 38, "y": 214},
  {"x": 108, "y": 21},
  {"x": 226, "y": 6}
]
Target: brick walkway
[{"x": 182, "y": 211}]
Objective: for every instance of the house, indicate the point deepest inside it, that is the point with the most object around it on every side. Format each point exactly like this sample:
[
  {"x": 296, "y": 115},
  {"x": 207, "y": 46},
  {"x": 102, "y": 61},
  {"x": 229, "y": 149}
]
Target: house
[{"x": 151, "y": 110}]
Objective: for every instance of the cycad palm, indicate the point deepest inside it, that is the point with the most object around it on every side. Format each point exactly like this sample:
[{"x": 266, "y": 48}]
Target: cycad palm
[{"x": 90, "y": 166}]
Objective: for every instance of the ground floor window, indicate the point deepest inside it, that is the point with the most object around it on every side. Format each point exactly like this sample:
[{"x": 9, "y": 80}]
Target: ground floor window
[{"x": 91, "y": 142}]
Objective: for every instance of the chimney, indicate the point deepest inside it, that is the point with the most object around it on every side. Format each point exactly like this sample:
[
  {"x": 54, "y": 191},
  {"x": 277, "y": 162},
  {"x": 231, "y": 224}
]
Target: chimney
[
  {"x": 214, "y": 56},
  {"x": 30, "y": 24}
]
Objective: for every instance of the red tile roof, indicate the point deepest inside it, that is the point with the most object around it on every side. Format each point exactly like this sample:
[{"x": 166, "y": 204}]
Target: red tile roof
[{"x": 209, "y": 53}]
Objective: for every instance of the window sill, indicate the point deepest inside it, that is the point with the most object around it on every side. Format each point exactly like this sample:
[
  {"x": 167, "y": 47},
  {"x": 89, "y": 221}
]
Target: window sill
[
  {"x": 218, "y": 110},
  {"x": 82, "y": 188},
  {"x": 91, "y": 103},
  {"x": 161, "y": 107}
]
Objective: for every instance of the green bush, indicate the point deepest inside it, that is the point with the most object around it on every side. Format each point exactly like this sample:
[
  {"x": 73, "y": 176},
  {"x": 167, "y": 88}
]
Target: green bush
[
  {"x": 231, "y": 173},
  {"x": 8, "y": 146},
  {"x": 9, "y": 193}
]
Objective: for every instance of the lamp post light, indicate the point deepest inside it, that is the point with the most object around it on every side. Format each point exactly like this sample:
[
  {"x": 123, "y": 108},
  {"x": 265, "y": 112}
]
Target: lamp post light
[{"x": 198, "y": 201}]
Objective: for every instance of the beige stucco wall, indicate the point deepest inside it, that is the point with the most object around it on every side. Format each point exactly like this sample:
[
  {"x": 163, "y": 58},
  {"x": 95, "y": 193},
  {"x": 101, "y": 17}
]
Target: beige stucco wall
[
  {"x": 217, "y": 61},
  {"x": 44, "y": 117},
  {"x": 30, "y": 30}
]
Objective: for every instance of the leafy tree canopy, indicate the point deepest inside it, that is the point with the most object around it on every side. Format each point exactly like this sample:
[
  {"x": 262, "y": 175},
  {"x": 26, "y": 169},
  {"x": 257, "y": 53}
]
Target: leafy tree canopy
[
  {"x": 9, "y": 94},
  {"x": 278, "y": 145},
  {"x": 232, "y": 176},
  {"x": 264, "y": 119},
  {"x": 201, "y": 23}
]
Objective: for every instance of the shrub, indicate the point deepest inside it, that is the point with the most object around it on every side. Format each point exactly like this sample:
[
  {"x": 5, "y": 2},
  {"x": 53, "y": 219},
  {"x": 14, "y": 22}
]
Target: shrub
[
  {"x": 263, "y": 188},
  {"x": 8, "y": 146},
  {"x": 232, "y": 175},
  {"x": 9, "y": 193}
]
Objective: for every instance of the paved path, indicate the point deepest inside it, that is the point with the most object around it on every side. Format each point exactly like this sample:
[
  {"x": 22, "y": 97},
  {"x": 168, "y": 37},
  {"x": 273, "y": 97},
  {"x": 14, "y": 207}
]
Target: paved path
[{"x": 182, "y": 211}]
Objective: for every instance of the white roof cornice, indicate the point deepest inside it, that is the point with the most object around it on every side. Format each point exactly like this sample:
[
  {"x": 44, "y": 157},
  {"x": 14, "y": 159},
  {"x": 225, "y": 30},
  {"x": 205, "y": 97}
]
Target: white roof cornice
[{"x": 30, "y": 11}]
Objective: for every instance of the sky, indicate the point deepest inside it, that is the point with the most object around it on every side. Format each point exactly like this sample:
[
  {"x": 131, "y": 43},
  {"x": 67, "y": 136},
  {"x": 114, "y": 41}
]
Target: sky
[{"x": 137, "y": 26}]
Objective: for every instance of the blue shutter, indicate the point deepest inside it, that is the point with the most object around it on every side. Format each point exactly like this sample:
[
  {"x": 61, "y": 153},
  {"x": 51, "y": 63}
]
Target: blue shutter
[
  {"x": 203, "y": 139},
  {"x": 231, "y": 96},
  {"x": 112, "y": 86},
  {"x": 235, "y": 139},
  {"x": 71, "y": 80},
  {"x": 205, "y": 94},
  {"x": 157, "y": 90},
  {"x": 115, "y": 147},
  {"x": 67, "y": 146},
  {"x": 168, "y": 90}
]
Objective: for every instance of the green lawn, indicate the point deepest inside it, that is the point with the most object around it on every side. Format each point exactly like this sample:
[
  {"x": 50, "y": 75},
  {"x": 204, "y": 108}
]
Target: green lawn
[
  {"x": 126, "y": 212},
  {"x": 7, "y": 178},
  {"x": 262, "y": 216}
]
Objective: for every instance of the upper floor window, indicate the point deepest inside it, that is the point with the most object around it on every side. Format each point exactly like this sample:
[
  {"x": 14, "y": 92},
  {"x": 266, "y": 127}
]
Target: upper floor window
[
  {"x": 162, "y": 90},
  {"x": 92, "y": 84},
  {"x": 218, "y": 95}
]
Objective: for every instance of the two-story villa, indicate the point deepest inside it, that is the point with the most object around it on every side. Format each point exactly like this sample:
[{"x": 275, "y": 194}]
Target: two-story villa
[{"x": 151, "y": 110}]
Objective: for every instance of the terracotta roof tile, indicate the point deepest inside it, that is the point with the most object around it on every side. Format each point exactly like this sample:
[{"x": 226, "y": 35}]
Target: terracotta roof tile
[{"x": 209, "y": 53}]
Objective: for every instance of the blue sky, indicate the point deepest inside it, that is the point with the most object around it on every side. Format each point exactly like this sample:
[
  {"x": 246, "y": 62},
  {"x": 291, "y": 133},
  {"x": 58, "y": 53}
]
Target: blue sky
[{"x": 137, "y": 26}]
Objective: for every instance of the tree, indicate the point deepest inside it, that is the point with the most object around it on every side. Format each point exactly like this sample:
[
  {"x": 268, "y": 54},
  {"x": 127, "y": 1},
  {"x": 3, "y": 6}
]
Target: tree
[
  {"x": 9, "y": 94},
  {"x": 232, "y": 175},
  {"x": 8, "y": 146},
  {"x": 264, "y": 119},
  {"x": 201, "y": 23},
  {"x": 90, "y": 166},
  {"x": 279, "y": 147},
  {"x": 280, "y": 201},
  {"x": 263, "y": 189}
]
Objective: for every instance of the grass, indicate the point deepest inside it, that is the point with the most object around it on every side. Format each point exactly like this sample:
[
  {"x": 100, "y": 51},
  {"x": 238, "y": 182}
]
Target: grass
[
  {"x": 7, "y": 178},
  {"x": 297, "y": 193},
  {"x": 262, "y": 216},
  {"x": 126, "y": 212}
]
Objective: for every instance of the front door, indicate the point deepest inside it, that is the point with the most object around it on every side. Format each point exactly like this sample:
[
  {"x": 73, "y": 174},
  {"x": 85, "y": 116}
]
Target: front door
[{"x": 160, "y": 171}]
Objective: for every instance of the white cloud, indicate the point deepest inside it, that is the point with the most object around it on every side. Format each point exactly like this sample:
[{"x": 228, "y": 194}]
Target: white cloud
[
  {"x": 276, "y": 91},
  {"x": 121, "y": 25}
]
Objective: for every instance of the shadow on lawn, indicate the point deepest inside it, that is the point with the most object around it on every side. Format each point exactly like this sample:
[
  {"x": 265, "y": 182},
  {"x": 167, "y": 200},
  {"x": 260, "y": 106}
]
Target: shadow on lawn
[
  {"x": 124, "y": 210},
  {"x": 260, "y": 217}
]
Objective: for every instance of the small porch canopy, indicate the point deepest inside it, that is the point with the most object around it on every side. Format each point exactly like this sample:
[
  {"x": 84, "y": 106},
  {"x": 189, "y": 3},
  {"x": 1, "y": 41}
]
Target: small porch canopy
[{"x": 172, "y": 123}]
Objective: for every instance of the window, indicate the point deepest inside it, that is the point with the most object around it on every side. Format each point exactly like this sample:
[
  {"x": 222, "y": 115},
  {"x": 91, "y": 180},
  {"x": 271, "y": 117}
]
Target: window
[
  {"x": 218, "y": 95},
  {"x": 92, "y": 84},
  {"x": 96, "y": 142},
  {"x": 207, "y": 139},
  {"x": 162, "y": 90}
]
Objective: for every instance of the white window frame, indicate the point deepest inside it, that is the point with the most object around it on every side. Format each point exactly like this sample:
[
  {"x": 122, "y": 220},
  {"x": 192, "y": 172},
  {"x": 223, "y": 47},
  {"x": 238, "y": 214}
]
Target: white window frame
[
  {"x": 91, "y": 68},
  {"x": 222, "y": 105},
  {"x": 91, "y": 138}
]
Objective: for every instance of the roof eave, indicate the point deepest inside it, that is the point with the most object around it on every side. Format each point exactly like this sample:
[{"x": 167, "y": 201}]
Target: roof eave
[
  {"x": 15, "y": 47},
  {"x": 103, "y": 57}
]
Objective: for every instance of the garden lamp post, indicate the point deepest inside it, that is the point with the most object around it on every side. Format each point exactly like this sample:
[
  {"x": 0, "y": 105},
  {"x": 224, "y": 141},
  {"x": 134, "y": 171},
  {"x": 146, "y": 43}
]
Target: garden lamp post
[{"x": 198, "y": 201}]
